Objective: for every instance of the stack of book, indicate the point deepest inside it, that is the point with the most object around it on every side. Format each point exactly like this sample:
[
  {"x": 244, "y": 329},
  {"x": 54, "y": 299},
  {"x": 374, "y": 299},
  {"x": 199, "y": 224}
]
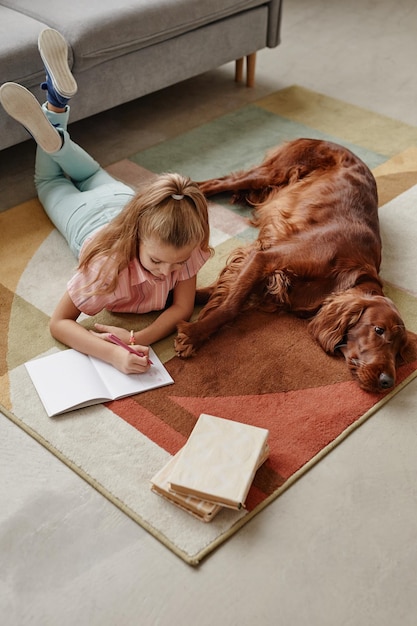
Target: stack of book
[{"x": 215, "y": 468}]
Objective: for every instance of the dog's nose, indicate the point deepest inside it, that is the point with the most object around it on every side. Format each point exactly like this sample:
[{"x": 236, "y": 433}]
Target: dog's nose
[{"x": 386, "y": 381}]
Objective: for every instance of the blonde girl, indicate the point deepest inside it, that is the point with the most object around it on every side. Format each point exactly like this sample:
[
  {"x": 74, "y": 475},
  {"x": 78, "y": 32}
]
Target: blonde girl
[{"x": 138, "y": 252}]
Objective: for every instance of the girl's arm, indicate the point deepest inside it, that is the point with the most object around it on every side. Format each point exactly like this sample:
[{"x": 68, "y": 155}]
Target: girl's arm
[
  {"x": 64, "y": 327},
  {"x": 181, "y": 309}
]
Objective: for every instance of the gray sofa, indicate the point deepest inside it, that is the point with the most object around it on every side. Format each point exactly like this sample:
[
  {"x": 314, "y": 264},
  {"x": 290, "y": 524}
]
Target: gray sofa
[{"x": 124, "y": 49}]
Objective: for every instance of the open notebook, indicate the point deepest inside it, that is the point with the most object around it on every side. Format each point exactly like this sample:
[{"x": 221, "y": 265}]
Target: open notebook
[{"x": 70, "y": 380}]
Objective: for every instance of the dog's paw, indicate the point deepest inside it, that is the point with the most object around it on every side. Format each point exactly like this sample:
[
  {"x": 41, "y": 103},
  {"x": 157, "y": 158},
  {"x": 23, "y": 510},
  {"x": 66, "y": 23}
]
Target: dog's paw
[
  {"x": 190, "y": 337},
  {"x": 182, "y": 346}
]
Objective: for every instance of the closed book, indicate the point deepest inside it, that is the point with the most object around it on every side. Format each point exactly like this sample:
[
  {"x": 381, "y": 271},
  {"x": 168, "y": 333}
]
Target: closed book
[
  {"x": 201, "y": 509},
  {"x": 219, "y": 461}
]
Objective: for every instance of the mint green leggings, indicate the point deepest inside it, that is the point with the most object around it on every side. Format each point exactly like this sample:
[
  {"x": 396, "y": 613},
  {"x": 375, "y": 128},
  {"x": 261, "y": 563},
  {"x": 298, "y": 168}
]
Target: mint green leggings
[{"x": 78, "y": 195}]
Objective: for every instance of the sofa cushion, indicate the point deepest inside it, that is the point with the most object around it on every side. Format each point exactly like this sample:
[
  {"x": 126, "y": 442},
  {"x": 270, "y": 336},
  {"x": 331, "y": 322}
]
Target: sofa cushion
[
  {"x": 90, "y": 27},
  {"x": 19, "y": 58}
]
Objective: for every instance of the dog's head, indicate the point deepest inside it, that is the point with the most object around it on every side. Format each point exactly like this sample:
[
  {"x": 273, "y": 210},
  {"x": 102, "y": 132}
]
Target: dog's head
[{"x": 369, "y": 332}]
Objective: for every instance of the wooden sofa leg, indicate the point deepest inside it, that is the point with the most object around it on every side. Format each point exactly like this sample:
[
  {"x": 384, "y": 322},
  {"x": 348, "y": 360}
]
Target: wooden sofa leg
[
  {"x": 250, "y": 70},
  {"x": 239, "y": 70}
]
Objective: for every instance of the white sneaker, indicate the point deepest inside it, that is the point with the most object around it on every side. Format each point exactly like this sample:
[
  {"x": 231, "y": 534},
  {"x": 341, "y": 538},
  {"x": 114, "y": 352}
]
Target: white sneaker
[
  {"x": 53, "y": 49},
  {"x": 20, "y": 104}
]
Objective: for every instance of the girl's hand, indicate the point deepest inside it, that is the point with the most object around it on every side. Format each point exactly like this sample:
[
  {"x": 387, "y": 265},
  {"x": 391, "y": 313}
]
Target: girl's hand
[
  {"x": 129, "y": 363},
  {"x": 103, "y": 331},
  {"x": 125, "y": 361}
]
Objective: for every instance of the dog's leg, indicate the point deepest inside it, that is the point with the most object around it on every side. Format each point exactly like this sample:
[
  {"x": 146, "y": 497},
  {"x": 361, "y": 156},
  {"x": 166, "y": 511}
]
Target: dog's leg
[
  {"x": 225, "y": 307},
  {"x": 215, "y": 294},
  {"x": 247, "y": 270},
  {"x": 288, "y": 163},
  {"x": 251, "y": 180}
]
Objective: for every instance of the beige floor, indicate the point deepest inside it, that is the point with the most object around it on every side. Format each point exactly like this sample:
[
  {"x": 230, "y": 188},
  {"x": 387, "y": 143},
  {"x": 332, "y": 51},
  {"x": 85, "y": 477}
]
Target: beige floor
[{"x": 340, "y": 547}]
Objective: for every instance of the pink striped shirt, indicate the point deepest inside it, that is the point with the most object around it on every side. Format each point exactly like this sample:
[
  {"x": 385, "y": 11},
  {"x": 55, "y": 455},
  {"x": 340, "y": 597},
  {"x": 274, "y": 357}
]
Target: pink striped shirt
[{"x": 137, "y": 291}]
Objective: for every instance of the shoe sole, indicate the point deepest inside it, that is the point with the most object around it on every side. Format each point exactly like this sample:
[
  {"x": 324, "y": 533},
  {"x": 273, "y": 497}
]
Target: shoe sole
[
  {"x": 54, "y": 53},
  {"x": 20, "y": 104}
]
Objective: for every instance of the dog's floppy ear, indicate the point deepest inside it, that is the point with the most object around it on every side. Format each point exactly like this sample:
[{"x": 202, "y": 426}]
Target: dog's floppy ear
[
  {"x": 408, "y": 349},
  {"x": 332, "y": 322}
]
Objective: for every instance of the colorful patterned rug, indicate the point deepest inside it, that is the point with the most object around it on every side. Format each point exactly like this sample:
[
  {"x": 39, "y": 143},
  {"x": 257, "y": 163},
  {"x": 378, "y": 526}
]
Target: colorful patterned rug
[{"x": 263, "y": 369}]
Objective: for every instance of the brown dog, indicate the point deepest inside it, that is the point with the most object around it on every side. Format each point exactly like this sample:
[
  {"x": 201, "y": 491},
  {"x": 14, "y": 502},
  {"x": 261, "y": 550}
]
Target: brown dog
[{"x": 317, "y": 255}]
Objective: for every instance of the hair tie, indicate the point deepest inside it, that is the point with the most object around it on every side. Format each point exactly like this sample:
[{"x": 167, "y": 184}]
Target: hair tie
[{"x": 177, "y": 196}]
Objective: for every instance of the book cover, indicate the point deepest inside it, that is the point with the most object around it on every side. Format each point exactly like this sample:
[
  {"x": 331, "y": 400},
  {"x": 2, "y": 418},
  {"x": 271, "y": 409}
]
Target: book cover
[
  {"x": 219, "y": 461},
  {"x": 201, "y": 509},
  {"x": 69, "y": 380}
]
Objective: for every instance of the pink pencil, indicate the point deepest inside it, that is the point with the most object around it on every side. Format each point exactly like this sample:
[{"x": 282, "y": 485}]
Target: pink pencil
[{"x": 124, "y": 345}]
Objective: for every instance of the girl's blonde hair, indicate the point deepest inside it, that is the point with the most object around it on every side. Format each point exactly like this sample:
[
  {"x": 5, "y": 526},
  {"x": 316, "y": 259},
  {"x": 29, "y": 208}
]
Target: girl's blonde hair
[{"x": 171, "y": 207}]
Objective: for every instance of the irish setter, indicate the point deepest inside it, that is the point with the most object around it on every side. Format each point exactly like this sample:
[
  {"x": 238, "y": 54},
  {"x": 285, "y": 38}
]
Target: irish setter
[{"x": 317, "y": 255}]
